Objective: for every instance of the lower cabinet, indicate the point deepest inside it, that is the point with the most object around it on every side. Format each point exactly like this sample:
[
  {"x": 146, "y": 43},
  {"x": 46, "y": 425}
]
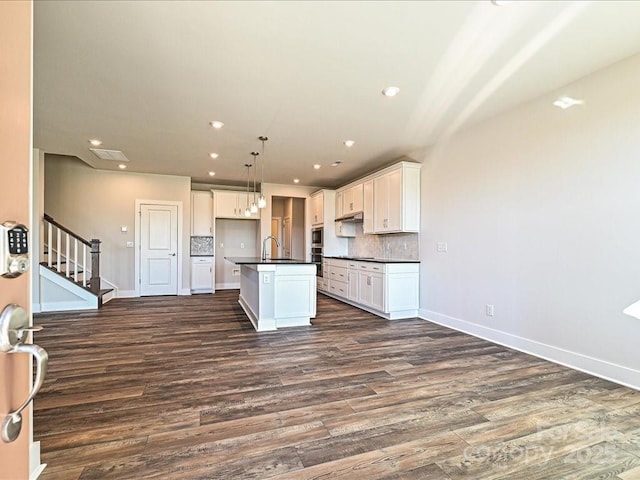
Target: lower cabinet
[
  {"x": 389, "y": 290},
  {"x": 202, "y": 275},
  {"x": 371, "y": 290}
]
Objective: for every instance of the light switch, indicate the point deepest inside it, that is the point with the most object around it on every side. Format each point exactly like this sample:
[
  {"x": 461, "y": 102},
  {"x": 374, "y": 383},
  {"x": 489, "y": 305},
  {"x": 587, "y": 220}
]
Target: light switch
[
  {"x": 129, "y": 244},
  {"x": 124, "y": 229},
  {"x": 441, "y": 247}
]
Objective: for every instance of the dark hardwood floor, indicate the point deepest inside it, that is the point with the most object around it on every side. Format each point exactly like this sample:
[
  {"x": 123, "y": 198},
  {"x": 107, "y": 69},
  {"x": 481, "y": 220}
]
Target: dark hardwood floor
[{"x": 184, "y": 388}]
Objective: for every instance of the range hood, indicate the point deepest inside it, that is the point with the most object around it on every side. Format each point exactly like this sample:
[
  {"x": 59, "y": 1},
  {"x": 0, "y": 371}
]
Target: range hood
[{"x": 355, "y": 217}]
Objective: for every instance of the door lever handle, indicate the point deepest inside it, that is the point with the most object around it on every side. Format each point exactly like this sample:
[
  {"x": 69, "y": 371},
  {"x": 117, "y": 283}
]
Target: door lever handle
[
  {"x": 13, "y": 422},
  {"x": 172, "y": 254},
  {"x": 14, "y": 323}
]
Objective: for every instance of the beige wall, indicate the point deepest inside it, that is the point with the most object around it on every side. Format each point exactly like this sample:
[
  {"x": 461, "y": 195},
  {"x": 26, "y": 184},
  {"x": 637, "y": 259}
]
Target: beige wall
[
  {"x": 15, "y": 155},
  {"x": 540, "y": 208},
  {"x": 97, "y": 203}
]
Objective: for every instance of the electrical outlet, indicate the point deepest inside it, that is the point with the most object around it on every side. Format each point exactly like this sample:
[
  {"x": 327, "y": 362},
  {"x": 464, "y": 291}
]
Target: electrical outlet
[
  {"x": 129, "y": 244},
  {"x": 221, "y": 245},
  {"x": 266, "y": 279},
  {"x": 235, "y": 272},
  {"x": 489, "y": 310},
  {"x": 441, "y": 247},
  {"x": 241, "y": 244}
]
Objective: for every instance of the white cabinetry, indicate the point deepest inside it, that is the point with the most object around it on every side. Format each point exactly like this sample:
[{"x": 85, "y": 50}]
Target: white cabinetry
[
  {"x": 371, "y": 291},
  {"x": 339, "y": 204},
  {"x": 367, "y": 207},
  {"x": 317, "y": 208},
  {"x": 345, "y": 229},
  {"x": 201, "y": 214},
  {"x": 201, "y": 274},
  {"x": 389, "y": 290},
  {"x": 339, "y": 277},
  {"x": 232, "y": 204},
  {"x": 396, "y": 199},
  {"x": 332, "y": 244},
  {"x": 354, "y": 282},
  {"x": 352, "y": 199}
]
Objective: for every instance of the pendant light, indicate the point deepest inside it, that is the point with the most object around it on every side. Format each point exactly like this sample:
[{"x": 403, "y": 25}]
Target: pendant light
[
  {"x": 254, "y": 205},
  {"x": 262, "y": 201},
  {"x": 247, "y": 211}
]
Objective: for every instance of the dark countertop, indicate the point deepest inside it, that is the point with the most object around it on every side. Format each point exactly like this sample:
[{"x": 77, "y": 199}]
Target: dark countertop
[
  {"x": 372, "y": 259},
  {"x": 268, "y": 261}
]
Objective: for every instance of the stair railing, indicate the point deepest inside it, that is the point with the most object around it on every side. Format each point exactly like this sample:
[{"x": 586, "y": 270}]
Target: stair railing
[{"x": 66, "y": 247}]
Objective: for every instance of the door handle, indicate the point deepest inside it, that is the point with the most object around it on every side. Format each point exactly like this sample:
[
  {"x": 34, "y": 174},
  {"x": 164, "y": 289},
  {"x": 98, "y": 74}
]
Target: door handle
[
  {"x": 14, "y": 324},
  {"x": 172, "y": 254}
]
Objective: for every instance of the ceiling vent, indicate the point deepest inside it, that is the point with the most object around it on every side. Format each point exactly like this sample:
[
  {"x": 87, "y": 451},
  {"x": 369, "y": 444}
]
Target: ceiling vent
[{"x": 113, "y": 155}]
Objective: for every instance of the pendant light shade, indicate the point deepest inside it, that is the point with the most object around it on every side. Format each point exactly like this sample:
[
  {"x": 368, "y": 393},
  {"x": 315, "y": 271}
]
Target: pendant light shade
[{"x": 262, "y": 201}]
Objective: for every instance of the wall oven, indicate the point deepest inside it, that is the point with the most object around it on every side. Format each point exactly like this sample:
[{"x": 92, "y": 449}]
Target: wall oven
[
  {"x": 316, "y": 236},
  {"x": 316, "y": 249},
  {"x": 316, "y": 257}
]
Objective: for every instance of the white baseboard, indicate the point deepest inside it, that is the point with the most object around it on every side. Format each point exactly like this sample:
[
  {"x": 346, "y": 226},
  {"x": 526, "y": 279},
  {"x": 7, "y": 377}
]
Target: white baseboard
[
  {"x": 35, "y": 467},
  {"x": 184, "y": 291},
  {"x": 127, "y": 294},
  {"x": 65, "y": 306},
  {"x": 228, "y": 286},
  {"x": 593, "y": 366}
]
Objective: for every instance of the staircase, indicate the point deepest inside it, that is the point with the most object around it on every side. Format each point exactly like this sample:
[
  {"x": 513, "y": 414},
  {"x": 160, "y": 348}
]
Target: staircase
[{"x": 70, "y": 270}]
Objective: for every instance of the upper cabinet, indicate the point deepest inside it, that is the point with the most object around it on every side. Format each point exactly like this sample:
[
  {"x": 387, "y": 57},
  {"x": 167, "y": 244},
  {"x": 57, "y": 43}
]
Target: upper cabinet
[
  {"x": 232, "y": 204},
  {"x": 339, "y": 207},
  {"x": 201, "y": 214},
  {"x": 389, "y": 200},
  {"x": 352, "y": 199},
  {"x": 317, "y": 208},
  {"x": 367, "y": 207},
  {"x": 396, "y": 199}
]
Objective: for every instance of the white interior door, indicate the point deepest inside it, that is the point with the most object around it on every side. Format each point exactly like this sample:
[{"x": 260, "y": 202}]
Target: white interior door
[{"x": 158, "y": 250}]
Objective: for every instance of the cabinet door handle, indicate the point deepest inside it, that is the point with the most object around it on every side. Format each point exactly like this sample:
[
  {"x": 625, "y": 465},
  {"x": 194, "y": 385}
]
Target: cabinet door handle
[{"x": 368, "y": 280}]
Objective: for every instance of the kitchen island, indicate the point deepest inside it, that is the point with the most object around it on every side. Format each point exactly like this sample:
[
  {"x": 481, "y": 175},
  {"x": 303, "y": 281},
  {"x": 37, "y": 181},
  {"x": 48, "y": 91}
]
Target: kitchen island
[{"x": 277, "y": 293}]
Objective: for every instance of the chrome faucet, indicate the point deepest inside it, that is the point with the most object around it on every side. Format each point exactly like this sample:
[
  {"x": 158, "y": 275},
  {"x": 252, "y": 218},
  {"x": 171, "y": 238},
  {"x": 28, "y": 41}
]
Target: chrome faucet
[{"x": 264, "y": 246}]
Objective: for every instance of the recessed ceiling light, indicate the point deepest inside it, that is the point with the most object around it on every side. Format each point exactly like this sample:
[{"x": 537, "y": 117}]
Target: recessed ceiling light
[
  {"x": 216, "y": 124},
  {"x": 296, "y": 180},
  {"x": 500, "y": 3},
  {"x": 214, "y": 155},
  {"x": 95, "y": 142},
  {"x": 337, "y": 163},
  {"x": 349, "y": 143},
  {"x": 566, "y": 102},
  {"x": 316, "y": 166},
  {"x": 122, "y": 166},
  {"x": 390, "y": 91},
  {"x": 211, "y": 174}
]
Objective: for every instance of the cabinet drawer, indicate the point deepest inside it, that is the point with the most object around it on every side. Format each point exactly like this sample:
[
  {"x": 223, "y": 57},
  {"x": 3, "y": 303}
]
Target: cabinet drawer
[
  {"x": 339, "y": 273},
  {"x": 195, "y": 260},
  {"x": 372, "y": 267},
  {"x": 339, "y": 288},
  {"x": 338, "y": 262}
]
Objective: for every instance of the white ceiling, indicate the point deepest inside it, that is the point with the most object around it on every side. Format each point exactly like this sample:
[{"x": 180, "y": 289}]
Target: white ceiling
[{"x": 148, "y": 77}]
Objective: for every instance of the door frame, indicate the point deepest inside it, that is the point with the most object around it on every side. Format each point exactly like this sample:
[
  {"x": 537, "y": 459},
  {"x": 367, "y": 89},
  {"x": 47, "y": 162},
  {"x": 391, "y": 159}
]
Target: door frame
[
  {"x": 138, "y": 207},
  {"x": 278, "y": 221}
]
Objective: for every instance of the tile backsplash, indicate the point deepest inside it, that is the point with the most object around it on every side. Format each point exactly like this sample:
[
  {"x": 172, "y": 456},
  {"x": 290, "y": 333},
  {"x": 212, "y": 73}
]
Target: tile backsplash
[
  {"x": 201, "y": 246},
  {"x": 401, "y": 246}
]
